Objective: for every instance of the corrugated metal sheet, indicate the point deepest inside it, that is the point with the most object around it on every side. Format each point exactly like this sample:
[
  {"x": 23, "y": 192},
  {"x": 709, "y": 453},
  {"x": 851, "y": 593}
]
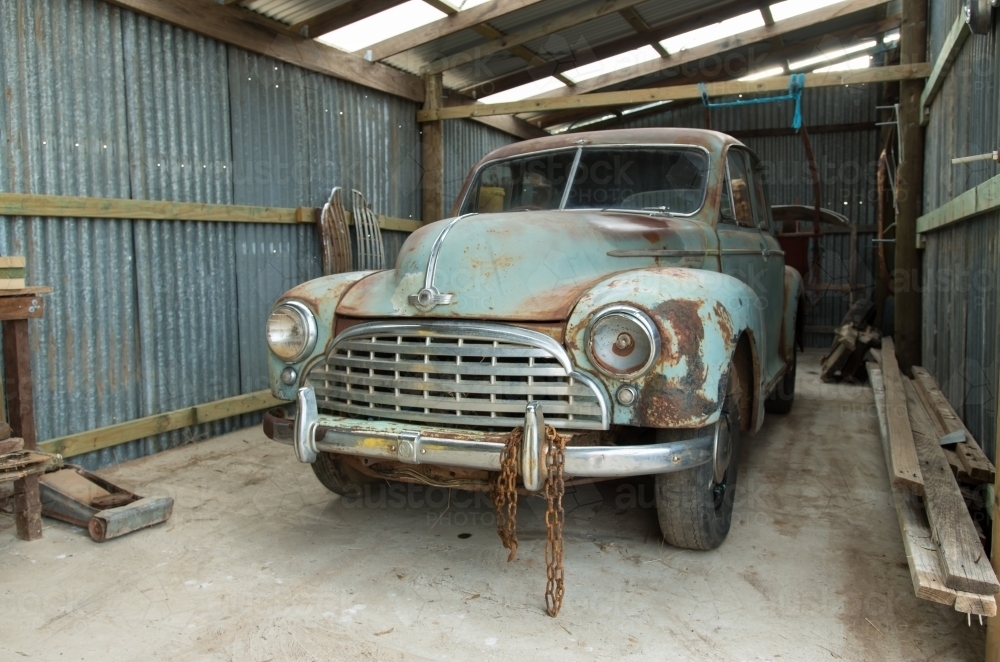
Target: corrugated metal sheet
[
  {"x": 960, "y": 330},
  {"x": 465, "y": 142},
  {"x": 63, "y": 133},
  {"x": 847, "y": 164}
]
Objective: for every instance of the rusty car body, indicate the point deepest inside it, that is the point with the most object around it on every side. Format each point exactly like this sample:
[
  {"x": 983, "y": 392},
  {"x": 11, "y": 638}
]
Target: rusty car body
[{"x": 624, "y": 287}]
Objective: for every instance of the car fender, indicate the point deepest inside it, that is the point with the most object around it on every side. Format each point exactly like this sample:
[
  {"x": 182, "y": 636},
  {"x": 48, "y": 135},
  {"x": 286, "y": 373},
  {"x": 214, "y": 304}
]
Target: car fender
[
  {"x": 701, "y": 316},
  {"x": 790, "y": 335},
  {"x": 321, "y": 296}
]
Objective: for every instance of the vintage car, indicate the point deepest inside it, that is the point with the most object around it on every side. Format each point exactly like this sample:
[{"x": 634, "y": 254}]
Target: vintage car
[{"x": 624, "y": 287}]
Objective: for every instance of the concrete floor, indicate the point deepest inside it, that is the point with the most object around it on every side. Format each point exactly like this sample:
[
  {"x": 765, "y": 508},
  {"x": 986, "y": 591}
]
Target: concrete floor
[{"x": 261, "y": 563}]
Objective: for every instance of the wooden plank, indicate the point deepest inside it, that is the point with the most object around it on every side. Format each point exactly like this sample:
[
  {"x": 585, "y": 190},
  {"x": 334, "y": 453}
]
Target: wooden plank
[
  {"x": 904, "y": 467},
  {"x": 962, "y": 559},
  {"x": 232, "y": 25},
  {"x": 560, "y": 21},
  {"x": 11, "y": 445},
  {"x": 112, "y": 435},
  {"x": 974, "y": 202},
  {"x": 21, "y": 308},
  {"x": 443, "y": 27},
  {"x": 974, "y": 460},
  {"x": 947, "y": 425},
  {"x": 691, "y": 55},
  {"x": 918, "y": 543},
  {"x": 29, "y": 290},
  {"x": 645, "y": 95},
  {"x": 952, "y": 46},
  {"x": 341, "y": 15},
  {"x": 27, "y": 508},
  {"x": 68, "y": 206},
  {"x": 432, "y": 155}
]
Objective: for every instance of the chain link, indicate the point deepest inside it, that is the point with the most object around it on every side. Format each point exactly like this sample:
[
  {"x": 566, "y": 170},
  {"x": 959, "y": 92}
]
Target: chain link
[{"x": 503, "y": 493}]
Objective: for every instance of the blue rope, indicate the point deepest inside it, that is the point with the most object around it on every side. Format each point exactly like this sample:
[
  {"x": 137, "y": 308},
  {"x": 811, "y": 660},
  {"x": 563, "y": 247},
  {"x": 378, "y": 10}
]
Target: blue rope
[{"x": 795, "y": 87}]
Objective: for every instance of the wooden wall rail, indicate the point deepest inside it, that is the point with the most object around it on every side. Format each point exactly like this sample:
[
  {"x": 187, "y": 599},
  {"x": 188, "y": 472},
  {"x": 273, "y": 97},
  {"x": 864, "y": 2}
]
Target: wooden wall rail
[
  {"x": 26, "y": 204},
  {"x": 979, "y": 200},
  {"x": 676, "y": 92},
  {"x": 140, "y": 428},
  {"x": 952, "y": 46}
]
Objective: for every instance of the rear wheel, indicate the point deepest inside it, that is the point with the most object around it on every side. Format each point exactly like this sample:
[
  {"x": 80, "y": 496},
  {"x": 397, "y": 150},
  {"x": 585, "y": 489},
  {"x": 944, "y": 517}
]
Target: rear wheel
[
  {"x": 695, "y": 506},
  {"x": 339, "y": 477}
]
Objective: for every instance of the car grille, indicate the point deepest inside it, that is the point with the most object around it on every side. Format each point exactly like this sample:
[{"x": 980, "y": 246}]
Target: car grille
[{"x": 456, "y": 374}]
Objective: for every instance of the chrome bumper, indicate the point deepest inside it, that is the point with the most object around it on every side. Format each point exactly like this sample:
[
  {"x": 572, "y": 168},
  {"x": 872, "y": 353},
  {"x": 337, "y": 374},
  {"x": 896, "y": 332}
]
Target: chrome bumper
[{"x": 312, "y": 433}]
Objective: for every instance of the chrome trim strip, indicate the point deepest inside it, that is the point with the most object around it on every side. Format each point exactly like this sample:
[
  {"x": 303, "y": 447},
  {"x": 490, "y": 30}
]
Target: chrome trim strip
[
  {"x": 305, "y": 425},
  {"x": 666, "y": 252},
  {"x": 533, "y": 448},
  {"x": 430, "y": 296},
  {"x": 414, "y": 447}
]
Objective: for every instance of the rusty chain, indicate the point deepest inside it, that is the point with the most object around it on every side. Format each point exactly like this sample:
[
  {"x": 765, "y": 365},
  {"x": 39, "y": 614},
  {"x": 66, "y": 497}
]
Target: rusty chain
[{"x": 503, "y": 493}]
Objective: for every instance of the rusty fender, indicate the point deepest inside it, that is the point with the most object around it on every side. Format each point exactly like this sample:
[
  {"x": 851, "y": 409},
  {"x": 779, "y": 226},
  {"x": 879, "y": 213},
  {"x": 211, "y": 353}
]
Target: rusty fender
[
  {"x": 793, "y": 290},
  {"x": 321, "y": 296},
  {"x": 701, "y": 316}
]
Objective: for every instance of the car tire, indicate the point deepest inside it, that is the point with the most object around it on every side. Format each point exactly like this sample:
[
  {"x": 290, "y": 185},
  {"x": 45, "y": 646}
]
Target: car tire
[
  {"x": 783, "y": 396},
  {"x": 338, "y": 477},
  {"x": 694, "y": 509}
]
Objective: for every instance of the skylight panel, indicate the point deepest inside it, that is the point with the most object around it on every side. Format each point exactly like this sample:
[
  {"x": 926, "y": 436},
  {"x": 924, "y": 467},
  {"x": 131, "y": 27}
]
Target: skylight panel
[
  {"x": 763, "y": 73},
  {"x": 782, "y": 10},
  {"x": 645, "y": 106},
  {"x": 525, "y": 91},
  {"x": 710, "y": 33},
  {"x": 891, "y": 37},
  {"x": 594, "y": 120},
  {"x": 462, "y": 5},
  {"x": 613, "y": 63},
  {"x": 832, "y": 55},
  {"x": 862, "y": 62},
  {"x": 383, "y": 25}
]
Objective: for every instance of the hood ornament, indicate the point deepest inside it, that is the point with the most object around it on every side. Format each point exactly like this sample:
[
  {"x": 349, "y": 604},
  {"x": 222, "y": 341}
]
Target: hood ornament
[{"x": 430, "y": 296}]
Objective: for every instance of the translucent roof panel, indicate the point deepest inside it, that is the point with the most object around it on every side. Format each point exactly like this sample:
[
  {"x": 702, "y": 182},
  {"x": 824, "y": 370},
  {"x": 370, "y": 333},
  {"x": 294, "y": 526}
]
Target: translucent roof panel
[
  {"x": 862, "y": 62},
  {"x": 714, "y": 32},
  {"x": 613, "y": 63},
  {"x": 782, "y": 10},
  {"x": 531, "y": 89},
  {"x": 382, "y": 26},
  {"x": 764, "y": 73},
  {"x": 832, "y": 55}
]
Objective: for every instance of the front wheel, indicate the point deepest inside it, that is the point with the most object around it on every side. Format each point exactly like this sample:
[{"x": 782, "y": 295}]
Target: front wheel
[
  {"x": 695, "y": 506},
  {"x": 337, "y": 476}
]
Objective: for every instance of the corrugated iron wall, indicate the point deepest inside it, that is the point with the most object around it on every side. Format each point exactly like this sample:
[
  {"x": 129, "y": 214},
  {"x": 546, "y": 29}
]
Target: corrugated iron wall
[
  {"x": 148, "y": 317},
  {"x": 847, "y": 162},
  {"x": 961, "y": 262}
]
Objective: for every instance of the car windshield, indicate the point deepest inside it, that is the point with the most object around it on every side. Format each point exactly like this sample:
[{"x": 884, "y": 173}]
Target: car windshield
[{"x": 653, "y": 179}]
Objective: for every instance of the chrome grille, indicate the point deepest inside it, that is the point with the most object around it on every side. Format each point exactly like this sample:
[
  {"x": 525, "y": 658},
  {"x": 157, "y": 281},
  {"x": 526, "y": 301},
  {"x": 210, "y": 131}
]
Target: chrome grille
[{"x": 454, "y": 373}]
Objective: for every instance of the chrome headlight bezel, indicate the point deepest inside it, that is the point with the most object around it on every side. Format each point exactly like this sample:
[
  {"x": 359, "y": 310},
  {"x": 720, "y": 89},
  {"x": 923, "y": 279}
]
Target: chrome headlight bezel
[
  {"x": 308, "y": 321},
  {"x": 643, "y": 322}
]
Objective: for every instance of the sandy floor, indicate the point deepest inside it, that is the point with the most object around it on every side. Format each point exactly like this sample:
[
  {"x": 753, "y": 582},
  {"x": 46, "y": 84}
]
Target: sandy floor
[{"x": 261, "y": 563}]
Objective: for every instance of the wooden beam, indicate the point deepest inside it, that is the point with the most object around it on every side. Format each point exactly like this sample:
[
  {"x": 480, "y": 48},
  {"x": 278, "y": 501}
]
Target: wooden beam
[
  {"x": 589, "y": 54},
  {"x": 561, "y": 21},
  {"x": 140, "y": 428},
  {"x": 909, "y": 188},
  {"x": 952, "y": 46},
  {"x": 753, "y": 36},
  {"x": 448, "y": 25},
  {"x": 974, "y": 202},
  {"x": 993, "y": 624},
  {"x": 921, "y": 551},
  {"x": 228, "y": 24},
  {"x": 341, "y": 16},
  {"x": 904, "y": 467},
  {"x": 947, "y": 425},
  {"x": 67, "y": 206},
  {"x": 604, "y": 99},
  {"x": 963, "y": 562},
  {"x": 642, "y": 29},
  {"x": 432, "y": 154}
]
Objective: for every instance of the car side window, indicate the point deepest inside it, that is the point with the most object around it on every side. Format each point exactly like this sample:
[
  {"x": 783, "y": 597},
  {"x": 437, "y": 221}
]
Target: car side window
[{"x": 739, "y": 187}]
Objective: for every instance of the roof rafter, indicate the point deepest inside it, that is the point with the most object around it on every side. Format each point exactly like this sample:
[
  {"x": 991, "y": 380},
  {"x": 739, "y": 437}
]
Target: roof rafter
[
  {"x": 559, "y": 22},
  {"x": 448, "y": 25},
  {"x": 691, "y": 21},
  {"x": 719, "y": 47},
  {"x": 342, "y": 15}
]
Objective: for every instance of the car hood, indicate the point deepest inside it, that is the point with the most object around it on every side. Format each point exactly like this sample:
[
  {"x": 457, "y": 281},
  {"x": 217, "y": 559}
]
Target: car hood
[{"x": 523, "y": 266}]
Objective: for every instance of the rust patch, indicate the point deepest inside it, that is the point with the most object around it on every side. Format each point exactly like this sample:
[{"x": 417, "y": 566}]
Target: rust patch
[
  {"x": 651, "y": 237},
  {"x": 724, "y": 320}
]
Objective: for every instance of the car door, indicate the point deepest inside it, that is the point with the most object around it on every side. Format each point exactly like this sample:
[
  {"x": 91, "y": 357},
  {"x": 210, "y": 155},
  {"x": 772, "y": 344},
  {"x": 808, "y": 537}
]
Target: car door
[{"x": 743, "y": 249}]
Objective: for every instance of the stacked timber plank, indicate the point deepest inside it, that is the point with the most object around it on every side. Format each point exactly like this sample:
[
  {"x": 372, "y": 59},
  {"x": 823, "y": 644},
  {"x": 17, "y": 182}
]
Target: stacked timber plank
[
  {"x": 943, "y": 548},
  {"x": 846, "y": 359}
]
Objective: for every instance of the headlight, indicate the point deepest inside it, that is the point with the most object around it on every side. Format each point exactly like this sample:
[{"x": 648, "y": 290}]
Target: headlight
[
  {"x": 623, "y": 342},
  {"x": 291, "y": 331}
]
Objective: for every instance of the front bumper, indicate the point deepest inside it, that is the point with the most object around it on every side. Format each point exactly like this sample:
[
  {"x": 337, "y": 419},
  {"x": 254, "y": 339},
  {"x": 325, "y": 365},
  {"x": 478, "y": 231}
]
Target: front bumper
[{"x": 310, "y": 433}]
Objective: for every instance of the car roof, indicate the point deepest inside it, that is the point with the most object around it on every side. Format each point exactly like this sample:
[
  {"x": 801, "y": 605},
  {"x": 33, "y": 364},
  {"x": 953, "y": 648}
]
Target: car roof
[{"x": 713, "y": 141}]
